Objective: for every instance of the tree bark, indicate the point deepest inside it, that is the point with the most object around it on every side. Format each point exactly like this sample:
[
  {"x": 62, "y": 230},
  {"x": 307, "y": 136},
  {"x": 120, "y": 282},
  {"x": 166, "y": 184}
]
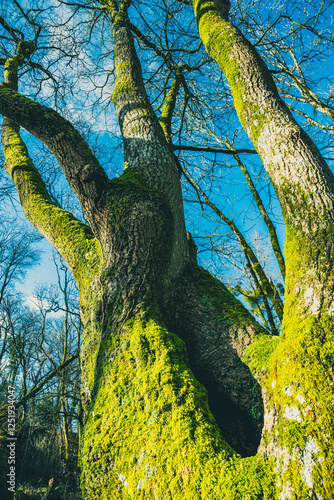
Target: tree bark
[{"x": 148, "y": 430}]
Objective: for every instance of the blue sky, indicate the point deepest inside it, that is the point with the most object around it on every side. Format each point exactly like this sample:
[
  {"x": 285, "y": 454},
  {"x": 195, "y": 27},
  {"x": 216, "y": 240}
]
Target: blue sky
[{"x": 231, "y": 195}]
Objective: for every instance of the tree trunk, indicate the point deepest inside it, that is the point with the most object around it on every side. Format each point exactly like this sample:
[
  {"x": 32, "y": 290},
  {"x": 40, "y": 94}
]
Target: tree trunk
[
  {"x": 148, "y": 430},
  {"x": 298, "y": 381},
  {"x": 158, "y": 328}
]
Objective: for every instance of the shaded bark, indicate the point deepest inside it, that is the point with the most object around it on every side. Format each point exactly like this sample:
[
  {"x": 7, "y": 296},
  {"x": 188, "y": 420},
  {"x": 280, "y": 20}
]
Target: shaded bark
[{"x": 217, "y": 330}]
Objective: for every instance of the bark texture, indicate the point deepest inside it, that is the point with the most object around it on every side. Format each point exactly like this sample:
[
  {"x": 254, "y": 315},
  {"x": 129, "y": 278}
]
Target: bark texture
[
  {"x": 145, "y": 148},
  {"x": 148, "y": 428},
  {"x": 172, "y": 364}
]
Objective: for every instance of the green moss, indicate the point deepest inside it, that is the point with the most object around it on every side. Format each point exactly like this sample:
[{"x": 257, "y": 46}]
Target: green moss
[
  {"x": 124, "y": 85},
  {"x": 71, "y": 237},
  {"x": 24, "y": 49},
  {"x": 149, "y": 432},
  {"x": 130, "y": 190},
  {"x": 127, "y": 72},
  {"x": 219, "y": 39},
  {"x": 297, "y": 374},
  {"x": 300, "y": 378},
  {"x": 302, "y": 371},
  {"x": 131, "y": 178},
  {"x": 257, "y": 355},
  {"x": 168, "y": 108},
  {"x": 299, "y": 366}
]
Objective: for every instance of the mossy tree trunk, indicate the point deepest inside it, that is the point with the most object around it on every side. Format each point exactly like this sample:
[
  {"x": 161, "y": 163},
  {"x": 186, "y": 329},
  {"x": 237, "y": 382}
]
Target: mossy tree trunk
[
  {"x": 157, "y": 327},
  {"x": 148, "y": 431},
  {"x": 298, "y": 431}
]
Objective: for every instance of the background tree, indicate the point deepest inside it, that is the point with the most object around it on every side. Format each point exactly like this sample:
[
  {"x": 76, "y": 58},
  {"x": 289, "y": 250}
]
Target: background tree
[
  {"x": 154, "y": 320},
  {"x": 40, "y": 359}
]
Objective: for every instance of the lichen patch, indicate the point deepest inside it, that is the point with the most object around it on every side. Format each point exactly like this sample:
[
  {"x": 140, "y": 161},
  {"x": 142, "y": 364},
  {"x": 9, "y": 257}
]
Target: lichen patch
[{"x": 292, "y": 413}]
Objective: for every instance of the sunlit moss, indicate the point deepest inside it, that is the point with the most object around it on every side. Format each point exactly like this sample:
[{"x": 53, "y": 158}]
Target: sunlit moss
[{"x": 149, "y": 432}]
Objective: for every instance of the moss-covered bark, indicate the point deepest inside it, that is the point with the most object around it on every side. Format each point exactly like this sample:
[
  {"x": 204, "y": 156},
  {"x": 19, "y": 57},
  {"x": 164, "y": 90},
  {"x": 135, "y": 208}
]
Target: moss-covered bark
[
  {"x": 158, "y": 328},
  {"x": 217, "y": 329},
  {"x": 83, "y": 172},
  {"x": 148, "y": 430},
  {"x": 297, "y": 377},
  {"x": 168, "y": 108}
]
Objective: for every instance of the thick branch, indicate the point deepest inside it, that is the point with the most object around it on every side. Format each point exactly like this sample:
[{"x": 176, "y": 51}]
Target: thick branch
[
  {"x": 72, "y": 238},
  {"x": 138, "y": 122},
  {"x": 82, "y": 170},
  {"x": 168, "y": 109},
  {"x": 145, "y": 147},
  {"x": 12, "y": 31},
  {"x": 285, "y": 149}
]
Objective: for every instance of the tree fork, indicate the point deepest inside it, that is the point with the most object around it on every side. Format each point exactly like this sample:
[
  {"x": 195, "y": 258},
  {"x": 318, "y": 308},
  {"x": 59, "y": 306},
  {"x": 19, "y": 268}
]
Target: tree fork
[
  {"x": 130, "y": 361},
  {"x": 148, "y": 429},
  {"x": 145, "y": 147}
]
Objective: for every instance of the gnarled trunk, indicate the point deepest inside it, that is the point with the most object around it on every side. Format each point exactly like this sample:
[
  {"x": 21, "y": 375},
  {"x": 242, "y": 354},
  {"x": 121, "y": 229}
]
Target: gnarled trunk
[
  {"x": 152, "y": 317},
  {"x": 148, "y": 431}
]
